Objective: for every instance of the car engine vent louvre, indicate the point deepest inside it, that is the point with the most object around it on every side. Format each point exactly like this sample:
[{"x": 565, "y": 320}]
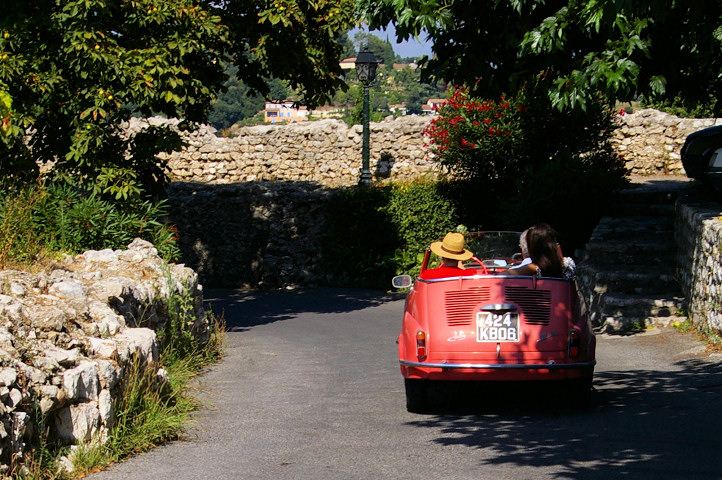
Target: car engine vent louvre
[
  {"x": 535, "y": 304},
  {"x": 462, "y": 305}
]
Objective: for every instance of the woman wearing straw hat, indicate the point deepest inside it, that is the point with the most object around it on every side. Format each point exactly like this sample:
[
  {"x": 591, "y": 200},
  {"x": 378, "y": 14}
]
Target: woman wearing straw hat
[{"x": 452, "y": 252}]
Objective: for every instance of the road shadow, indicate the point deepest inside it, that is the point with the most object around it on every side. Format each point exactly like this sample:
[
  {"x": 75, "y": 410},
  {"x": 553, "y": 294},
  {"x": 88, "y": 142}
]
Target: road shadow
[
  {"x": 244, "y": 309},
  {"x": 643, "y": 424}
]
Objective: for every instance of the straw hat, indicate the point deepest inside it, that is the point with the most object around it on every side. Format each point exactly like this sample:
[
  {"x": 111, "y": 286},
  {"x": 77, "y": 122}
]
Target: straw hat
[{"x": 452, "y": 247}]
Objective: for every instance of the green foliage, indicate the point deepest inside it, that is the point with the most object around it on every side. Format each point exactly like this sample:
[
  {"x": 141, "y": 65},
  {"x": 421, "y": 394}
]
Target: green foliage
[
  {"x": 36, "y": 221},
  {"x": 420, "y": 213},
  {"x": 72, "y": 72},
  {"x": 619, "y": 48},
  {"x": 237, "y": 102},
  {"x": 293, "y": 40},
  {"x": 682, "y": 109},
  {"x": 376, "y": 232}
]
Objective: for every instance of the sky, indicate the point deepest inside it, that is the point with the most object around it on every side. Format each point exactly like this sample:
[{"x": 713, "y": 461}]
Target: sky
[{"x": 409, "y": 48}]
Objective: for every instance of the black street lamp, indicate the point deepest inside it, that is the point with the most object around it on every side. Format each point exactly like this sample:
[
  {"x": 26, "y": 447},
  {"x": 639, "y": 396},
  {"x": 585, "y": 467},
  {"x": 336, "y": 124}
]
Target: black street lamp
[{"x": 366, "y": 72}]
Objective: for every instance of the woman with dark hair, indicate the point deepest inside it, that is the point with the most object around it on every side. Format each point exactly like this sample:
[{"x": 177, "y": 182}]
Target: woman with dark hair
[{"x": 544, "y": 251}]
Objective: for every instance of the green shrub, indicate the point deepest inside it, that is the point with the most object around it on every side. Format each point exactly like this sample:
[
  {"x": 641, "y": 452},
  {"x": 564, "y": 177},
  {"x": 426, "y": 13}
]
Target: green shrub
[
  {"x": 38, "y": 220},
  {"x": 374, "y": 233},
  {"x": 420, "y": 213},
  {"x": 682, "y": 108}
]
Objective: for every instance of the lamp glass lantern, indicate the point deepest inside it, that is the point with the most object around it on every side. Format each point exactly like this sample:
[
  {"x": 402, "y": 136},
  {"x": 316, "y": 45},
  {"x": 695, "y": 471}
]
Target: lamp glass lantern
[
  {"x": 366, "y": 72},
  {"x": 366, "y": 66}
]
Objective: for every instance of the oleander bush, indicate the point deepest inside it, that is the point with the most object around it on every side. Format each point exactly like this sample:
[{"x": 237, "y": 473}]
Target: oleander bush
[{"x": 519, "y": 161}]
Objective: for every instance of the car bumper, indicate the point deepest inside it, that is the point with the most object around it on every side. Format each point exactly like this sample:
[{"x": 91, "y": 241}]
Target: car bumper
[{"x": 499, "y": 366}]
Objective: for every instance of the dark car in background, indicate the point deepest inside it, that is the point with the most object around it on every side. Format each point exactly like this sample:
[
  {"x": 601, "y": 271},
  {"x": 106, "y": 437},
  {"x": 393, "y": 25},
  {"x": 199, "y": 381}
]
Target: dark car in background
[{"x": 702, "y": 156}]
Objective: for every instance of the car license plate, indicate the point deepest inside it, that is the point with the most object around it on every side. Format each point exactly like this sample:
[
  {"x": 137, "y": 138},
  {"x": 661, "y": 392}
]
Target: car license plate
[{"x": 494, "y": 327}]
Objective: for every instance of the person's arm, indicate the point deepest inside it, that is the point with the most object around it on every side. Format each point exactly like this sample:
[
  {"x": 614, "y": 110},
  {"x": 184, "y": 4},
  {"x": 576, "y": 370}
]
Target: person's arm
[{"x": 528, "y": 269}]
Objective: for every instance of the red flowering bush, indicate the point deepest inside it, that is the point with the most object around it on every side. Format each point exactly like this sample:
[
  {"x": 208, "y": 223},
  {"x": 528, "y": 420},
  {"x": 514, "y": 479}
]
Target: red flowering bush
[
  {"x": 476, "y": 138},
  {"x": 519, "y": 160}
]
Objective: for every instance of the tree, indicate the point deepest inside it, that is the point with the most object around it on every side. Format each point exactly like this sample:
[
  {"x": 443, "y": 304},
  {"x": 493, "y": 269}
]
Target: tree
[
  {"x": 382, "y": 49},
  {"x": 72, "y": 72},
  {"x": 292, "y": 40},
  {"x": 621, "y": 48}
]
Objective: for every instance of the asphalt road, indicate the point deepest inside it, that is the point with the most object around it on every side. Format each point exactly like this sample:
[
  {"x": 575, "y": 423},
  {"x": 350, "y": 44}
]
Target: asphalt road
[{"x": 310, "y": 389}]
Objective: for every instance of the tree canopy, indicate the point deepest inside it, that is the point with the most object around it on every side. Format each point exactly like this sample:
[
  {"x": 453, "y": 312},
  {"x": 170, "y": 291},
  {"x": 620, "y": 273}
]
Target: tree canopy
[
  {"x": 660, "y": 49},
  {"x": 71, "y": 72}
]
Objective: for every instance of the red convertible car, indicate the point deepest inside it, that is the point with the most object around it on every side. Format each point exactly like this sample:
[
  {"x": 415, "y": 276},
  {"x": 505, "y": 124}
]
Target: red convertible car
[{"x": 493, "y": 326}]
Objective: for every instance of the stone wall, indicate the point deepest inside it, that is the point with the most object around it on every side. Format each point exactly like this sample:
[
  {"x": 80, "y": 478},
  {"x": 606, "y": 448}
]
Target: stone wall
[
  {"x": 698, "y": 232},
  {"x": 250, "y": 209},
  {"x": 68, "y": 336},
  {"x": 328, "y": 152},
  {"x": 650, "y": 141}
]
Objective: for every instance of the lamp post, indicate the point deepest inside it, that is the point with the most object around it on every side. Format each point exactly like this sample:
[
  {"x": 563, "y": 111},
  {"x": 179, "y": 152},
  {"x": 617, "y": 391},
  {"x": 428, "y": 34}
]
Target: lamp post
[{"x": 366, "y": 71}]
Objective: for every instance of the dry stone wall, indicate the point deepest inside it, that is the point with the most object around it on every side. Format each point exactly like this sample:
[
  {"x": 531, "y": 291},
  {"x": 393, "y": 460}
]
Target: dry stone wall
[
  {"x": 650, "y": 141},
  {"x": 69, "y": 334},
  {"x": 250, "y": 208},
  {"x": 328, "y": 152},
  {"x": 698, "y": 232}
]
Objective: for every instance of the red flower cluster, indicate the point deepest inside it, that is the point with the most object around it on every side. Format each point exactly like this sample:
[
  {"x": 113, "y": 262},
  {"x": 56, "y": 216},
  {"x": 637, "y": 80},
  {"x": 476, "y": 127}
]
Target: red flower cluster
[{"x": 469, "y": 129}]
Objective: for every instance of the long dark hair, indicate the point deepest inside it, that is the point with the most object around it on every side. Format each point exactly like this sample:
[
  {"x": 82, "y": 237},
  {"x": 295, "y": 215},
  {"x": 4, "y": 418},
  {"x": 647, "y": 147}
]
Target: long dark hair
[{"x": 544, "y": 250}]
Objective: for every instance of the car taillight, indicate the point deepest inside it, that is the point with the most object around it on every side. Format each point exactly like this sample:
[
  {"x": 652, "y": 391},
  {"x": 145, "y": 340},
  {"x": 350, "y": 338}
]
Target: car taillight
[
  {"x": 574, "y": 340},
  {"x": 421, "y": 344}
]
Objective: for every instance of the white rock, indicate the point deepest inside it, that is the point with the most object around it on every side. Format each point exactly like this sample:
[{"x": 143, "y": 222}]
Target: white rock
[
  {"x": 78, "y": 423},
  {"x": 108, "y": 372},
  {"x": 103, "y": 347},
  {"x": 81, "y": 382},
  {"x": 14, "y": 398},
  {"x": 64, "y": 357},
  {"x": 67, "y": 289},
  {"x": 104, "y": 256},
  {"x": 138, "y": 340},
  {"x": 7, "y": 376},
  {"x": 105, "y": 407}
]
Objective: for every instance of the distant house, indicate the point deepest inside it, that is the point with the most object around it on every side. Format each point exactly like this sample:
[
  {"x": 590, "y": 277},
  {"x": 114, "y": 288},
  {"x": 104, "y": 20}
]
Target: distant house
[
  {"x": 284, "y": 112},
  {"x": 399, "y": 108},
  {"x": 348, "y": 63},
  {"x": 326, "y": 112},
  {"x": 431, "y": 105},
  {"x": 401, "y": 66}
]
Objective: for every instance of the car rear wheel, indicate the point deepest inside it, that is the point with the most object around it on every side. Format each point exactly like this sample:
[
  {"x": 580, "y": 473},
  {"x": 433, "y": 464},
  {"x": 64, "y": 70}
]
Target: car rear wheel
[
  {"x": 580, "y": 392},
  {"x": 417, "y": 395}
]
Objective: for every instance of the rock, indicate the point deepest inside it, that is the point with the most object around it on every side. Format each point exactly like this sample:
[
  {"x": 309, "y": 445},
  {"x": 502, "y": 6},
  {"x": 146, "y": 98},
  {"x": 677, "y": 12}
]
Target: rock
[
  {"x": 81, "y": 382},
  {"x": 7, "y": 377},
  {"x": 67, "y": 289},
  {"x": 78, "y": 423}
]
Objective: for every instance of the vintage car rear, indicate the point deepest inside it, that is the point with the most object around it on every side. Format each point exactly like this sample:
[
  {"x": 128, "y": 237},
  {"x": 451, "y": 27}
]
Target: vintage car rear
[{"x": 494, "y": 326}]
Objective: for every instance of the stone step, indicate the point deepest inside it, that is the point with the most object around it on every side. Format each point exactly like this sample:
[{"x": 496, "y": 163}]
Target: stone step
[
  {"x": 621, "y": 325},
  {"x": 664, "y": 305},
  {"x": 603, "y": 279},
  {"x": 633, "y": 228},
  {"x": 618, "y": 312},
  {"x": 637, "y": 255},
  {"x": 627, "y": 269}
]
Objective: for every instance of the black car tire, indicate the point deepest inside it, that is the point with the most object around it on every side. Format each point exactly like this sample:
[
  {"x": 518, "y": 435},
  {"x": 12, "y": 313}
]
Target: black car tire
[
  {"x": 580, "y": 393},
  {"x": 417, "y": 395}
]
